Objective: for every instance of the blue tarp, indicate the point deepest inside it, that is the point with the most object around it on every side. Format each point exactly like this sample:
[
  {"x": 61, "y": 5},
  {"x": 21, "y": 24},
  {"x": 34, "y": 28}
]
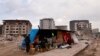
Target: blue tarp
[
  {"x": 23, "y": 45},
  {"x": 33, "y": 35}
]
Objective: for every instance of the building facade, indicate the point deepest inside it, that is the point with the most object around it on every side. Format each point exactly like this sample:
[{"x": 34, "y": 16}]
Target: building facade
[
  {"x": 47, "y": 23},
  {"x": 83, "y": 26},
  {"x": 16, "y": 27},
  {"x": 79, "y": 25}
]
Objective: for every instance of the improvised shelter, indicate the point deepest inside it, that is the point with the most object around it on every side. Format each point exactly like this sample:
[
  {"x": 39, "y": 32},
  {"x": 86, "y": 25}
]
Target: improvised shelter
[{"x": 51, "y": 38}]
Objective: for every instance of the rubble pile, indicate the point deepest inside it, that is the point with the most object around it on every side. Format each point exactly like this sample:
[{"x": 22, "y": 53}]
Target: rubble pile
[{"x": 5, "y": 41}]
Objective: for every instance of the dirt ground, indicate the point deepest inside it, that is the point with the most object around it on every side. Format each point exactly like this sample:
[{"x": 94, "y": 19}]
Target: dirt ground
[
  {"x": 92, "y": 50},
  {"x": 12, "y": 49}
]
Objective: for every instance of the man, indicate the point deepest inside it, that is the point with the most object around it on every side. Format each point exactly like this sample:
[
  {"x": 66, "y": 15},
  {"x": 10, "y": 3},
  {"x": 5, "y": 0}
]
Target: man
[{"x": 27, "y": 41}]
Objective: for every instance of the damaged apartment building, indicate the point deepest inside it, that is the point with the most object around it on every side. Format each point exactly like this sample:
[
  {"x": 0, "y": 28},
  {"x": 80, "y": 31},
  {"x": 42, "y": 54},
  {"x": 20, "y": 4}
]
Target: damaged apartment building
[
  {"x": 16, "y": 27},
  {"x": 81, "y": 26}
]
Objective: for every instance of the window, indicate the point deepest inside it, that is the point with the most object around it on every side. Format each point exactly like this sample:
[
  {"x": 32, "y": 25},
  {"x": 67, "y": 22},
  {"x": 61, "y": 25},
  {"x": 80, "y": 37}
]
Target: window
[
  {"x": 16, "y": 31},
  {"x": 7, "y": 29},
  {"x": 16, "y": 28},
  {"x": 13, "y": 31},
  {"x": 23, "y": 29}
]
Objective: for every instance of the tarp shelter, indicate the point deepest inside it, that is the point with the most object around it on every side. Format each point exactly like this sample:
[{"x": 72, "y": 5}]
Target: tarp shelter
[
  {"x": 64, "y": 36},
  {"x": 58, "y": 36},
  {"x": 33, "y": 35},
  {"x": 48, "y": 33}
]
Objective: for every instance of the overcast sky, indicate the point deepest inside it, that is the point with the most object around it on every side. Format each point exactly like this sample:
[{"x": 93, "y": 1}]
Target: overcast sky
[{"x": 61, "y": 10}]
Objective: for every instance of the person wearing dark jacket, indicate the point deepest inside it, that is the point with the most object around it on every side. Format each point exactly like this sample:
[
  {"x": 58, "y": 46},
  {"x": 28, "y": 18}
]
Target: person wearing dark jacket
[{"x": 27, "y": 41}]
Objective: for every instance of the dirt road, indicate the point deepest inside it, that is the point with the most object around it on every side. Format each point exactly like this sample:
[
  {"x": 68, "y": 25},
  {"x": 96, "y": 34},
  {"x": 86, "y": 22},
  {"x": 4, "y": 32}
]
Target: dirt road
[{"x": 92, "y": 50}]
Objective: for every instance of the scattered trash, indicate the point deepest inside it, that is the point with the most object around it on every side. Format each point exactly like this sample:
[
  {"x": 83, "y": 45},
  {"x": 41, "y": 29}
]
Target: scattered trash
[{"x": 65, "y": 46}]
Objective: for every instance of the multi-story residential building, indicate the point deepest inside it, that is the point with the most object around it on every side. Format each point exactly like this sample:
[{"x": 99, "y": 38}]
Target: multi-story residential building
[
  {"x": 79, "y": 25},
  {"x": 47, "y": 23},
  {"x": 83, "y": 26},
  {"x": 16, "y": 27}
]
